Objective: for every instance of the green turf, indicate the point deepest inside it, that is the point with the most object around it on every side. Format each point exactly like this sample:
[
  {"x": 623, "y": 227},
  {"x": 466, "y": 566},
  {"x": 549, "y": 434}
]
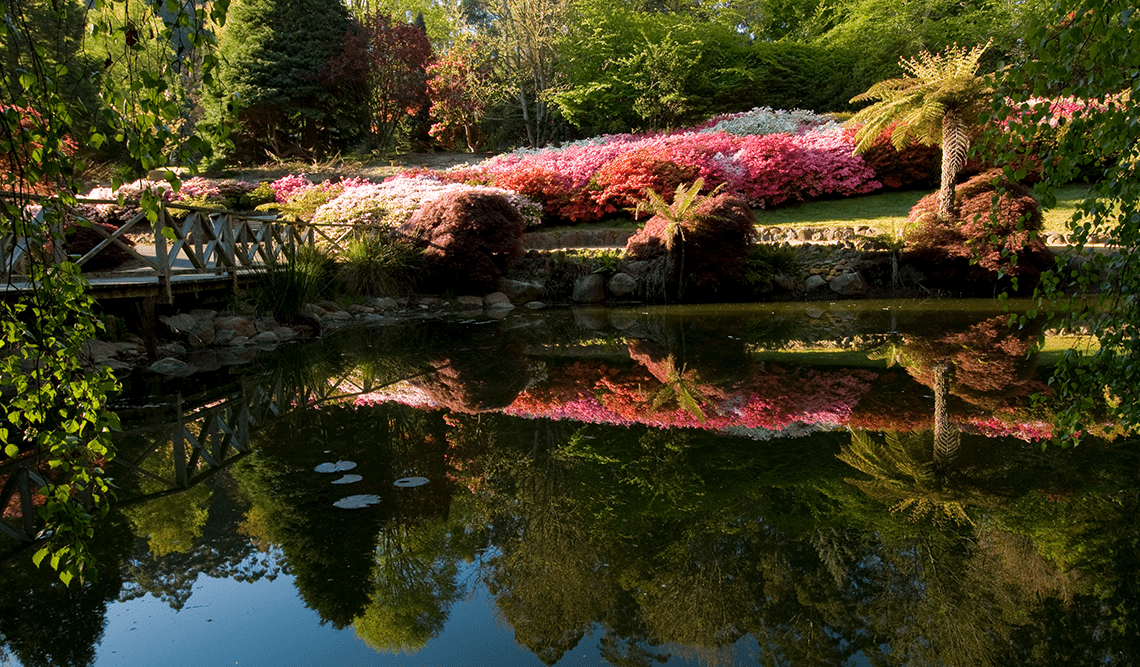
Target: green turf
[{"x": 888, "y": 211}]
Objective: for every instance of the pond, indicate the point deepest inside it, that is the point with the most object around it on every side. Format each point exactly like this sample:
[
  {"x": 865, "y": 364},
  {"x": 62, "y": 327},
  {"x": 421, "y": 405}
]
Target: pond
[{"x": 801, "y": 484}]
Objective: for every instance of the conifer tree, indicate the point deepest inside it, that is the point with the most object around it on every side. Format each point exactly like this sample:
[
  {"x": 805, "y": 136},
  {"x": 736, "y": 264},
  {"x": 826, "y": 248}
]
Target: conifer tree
[{"x": 272, "y": 54}]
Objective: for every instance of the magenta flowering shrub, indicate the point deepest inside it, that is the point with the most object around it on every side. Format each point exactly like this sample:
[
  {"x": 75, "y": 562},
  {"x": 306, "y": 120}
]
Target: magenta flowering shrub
[{"x": 287, "y": 187}]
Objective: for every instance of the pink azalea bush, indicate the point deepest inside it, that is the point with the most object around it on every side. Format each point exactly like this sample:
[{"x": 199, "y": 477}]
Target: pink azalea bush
[{"x": 585, "y": 181}]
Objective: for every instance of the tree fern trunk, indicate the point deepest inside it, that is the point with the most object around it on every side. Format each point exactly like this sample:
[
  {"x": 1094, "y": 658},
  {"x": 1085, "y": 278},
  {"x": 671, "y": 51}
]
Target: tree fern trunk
[{"x": 955, "y": 144}]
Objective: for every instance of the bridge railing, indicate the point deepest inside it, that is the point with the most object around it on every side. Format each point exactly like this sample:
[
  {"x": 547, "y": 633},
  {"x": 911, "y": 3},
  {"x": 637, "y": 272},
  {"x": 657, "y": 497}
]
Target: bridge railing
[{"x": 182, "y": 241}]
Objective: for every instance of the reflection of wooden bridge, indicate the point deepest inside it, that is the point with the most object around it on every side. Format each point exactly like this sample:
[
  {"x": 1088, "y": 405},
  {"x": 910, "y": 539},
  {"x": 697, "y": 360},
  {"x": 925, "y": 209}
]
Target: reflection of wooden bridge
[{"x": 205, "y": 433}]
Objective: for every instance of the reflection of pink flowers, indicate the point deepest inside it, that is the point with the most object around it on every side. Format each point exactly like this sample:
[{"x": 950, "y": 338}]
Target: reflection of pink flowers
[
  {"x": 995, "y": 427},
  {"x": 771, "y": 398}
]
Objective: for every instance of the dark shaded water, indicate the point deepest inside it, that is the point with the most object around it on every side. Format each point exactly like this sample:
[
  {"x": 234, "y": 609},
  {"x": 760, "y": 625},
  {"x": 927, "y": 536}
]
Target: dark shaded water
[{"x": 701, "y": 486}]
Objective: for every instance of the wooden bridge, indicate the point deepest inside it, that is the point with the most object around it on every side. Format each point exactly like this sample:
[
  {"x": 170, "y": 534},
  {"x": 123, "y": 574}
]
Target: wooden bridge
[
  {"x": 203, "y": 434},
  {"x": 186, "y": 248}
]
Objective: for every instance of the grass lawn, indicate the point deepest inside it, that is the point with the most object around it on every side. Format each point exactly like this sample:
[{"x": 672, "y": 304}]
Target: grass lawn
[{"x": 888, "y": 211}]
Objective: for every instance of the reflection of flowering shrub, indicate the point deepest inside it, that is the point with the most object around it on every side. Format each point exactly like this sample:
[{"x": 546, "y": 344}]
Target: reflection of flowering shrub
[
  {"x": 770, "y": 398},
  {"x": 994, "y": 427},
  {"x": 991, "y": 362}
]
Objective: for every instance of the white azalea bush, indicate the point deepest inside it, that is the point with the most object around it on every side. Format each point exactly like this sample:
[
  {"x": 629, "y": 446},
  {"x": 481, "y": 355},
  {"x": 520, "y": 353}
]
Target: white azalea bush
[{"x": 391, "y": 203}]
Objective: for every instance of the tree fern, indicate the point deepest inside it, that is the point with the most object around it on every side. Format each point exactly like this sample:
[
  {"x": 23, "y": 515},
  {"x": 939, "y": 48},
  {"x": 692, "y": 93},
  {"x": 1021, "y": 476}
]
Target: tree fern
[{"x": 934, "y": 105}]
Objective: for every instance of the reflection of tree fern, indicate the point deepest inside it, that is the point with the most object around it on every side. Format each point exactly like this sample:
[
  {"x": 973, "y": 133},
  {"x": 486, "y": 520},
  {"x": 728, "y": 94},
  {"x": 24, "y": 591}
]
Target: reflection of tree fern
[
  {"x": 903, "y": 471},
  {"x": 678, "y": 387},
  {"x": 892, "y": 351}
]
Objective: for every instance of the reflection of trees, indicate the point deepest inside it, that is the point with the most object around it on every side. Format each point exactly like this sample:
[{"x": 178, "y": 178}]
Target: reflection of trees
[
  {"x": 46, "y": 624},
  {"x": 413, "y": 585},
  {"x": 990, "y": 363}
]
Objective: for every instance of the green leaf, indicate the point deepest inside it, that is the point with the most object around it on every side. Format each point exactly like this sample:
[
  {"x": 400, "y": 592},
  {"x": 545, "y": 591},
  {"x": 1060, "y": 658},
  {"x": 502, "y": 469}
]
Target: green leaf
[{"x": 39, "y": 556}]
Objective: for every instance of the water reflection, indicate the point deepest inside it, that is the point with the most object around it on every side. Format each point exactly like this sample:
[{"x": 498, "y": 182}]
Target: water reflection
[{"x": 671, "y": 486}]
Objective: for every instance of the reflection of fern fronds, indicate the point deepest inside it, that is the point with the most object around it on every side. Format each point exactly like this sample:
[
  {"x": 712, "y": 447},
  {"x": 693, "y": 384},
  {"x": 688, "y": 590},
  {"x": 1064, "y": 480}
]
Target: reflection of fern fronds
[
  {"x": 689, "y": 397},
  {"x": 903, "y": 470}
]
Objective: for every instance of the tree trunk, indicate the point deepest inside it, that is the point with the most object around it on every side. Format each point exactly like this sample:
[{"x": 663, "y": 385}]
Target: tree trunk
[{"x": 955, "y": 144}]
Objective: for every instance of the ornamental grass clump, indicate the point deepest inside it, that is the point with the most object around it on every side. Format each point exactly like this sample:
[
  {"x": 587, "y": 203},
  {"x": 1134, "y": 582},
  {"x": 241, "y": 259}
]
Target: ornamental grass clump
[
  {"x": 287, "y": 286},
  {"x": 470, "y": 239},
  {"x": 379, "y": 265}
]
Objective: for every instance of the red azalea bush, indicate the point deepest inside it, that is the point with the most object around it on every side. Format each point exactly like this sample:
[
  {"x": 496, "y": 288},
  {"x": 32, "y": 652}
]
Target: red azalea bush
[
  {"x": 623, "y": 181},
  {"x": 470, "y": 239},
  {"x": 588, "y": 180},
  {"x": 915, "y": 164}
]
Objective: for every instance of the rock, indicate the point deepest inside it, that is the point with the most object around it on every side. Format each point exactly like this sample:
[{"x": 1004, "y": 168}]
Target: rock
[
  {"x": 382, "y": 303},
  {"x": 336, "y": 316},
  {"x": 285, "y": 334},
  {"x": 470, "y": 302},
  {"x": 266, "y": 339},
  {"x": 496, "y": 298},
  {"x": 313, "y": 309},
  {"x": 814, "y": 282},
  {"x": 330, "y": 306},
  {"x": 99, "y": 352},
  {"x": 223, "y": 337},
  {"x": 202, "y": 334},
  {"x": 637, "y": 267},
  {"x": 535, "y": 305},
  {"x": 430, "y": 302},
  {"x": 180, "y": 323},
  {"x": 239, "y": 341},
  {"x": 622, "y": 285},
  {"x": 520, "y": 291},
  {"x": 171, "y": 350},
  {"x": 238, "y": 325},
  {"x": 589, "y": 289},
  {"x": 849, "y": 284},
  {"x": 202, "y": 314},
  {"x": 169, "y": 366},
  {"x": 784, "y": 282},
  {"x": 360, "y": 309}
]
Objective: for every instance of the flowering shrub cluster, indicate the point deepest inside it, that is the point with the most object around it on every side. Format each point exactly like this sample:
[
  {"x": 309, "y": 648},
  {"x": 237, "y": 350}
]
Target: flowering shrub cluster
[
  {"x": 392, "y": 202},
  {"x": 586, "y": 181},
  {"x": 766, "y": 120},
  {"x": 128, "y": 199}
]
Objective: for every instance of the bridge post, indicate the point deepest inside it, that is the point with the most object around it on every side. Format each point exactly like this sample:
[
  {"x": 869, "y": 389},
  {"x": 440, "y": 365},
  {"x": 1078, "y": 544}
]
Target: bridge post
[{"x": 162, "y": 256}]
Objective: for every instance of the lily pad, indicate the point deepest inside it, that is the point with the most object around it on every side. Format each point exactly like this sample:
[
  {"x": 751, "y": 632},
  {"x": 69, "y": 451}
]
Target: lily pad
[
  {"x": 357, "y": 502},
  {"x": 348, "y": 479},
  {"x": 339, "y": 466},
  {"x": 409, "y": 482}
]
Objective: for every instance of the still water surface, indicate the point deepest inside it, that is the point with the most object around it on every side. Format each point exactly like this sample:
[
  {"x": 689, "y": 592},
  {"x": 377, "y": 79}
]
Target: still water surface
[{"x": 718, "y": 485}]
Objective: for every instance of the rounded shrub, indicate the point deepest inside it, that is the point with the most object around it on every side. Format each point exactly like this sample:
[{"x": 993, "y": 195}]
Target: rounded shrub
[
  {"x": 997, "y": 221},
  {"x": 470, "y": 239},
  {"x": 707, "y": 243}
]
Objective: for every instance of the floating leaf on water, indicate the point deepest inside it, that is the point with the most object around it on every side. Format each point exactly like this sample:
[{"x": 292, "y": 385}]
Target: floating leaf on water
[
  {"x": 357, "y": 502},
  {"x": 348, "y": 479},
  {"x": 339, "y": 466},
  {"x": 409, "y": 482}
]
